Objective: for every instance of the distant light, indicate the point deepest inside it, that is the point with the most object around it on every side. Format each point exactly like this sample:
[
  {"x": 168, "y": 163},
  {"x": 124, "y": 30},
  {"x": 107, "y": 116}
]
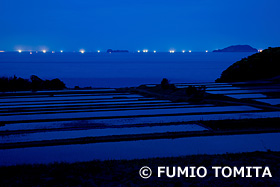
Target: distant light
[
  {"x": 190, "y": 51},
  {"x": 2, "y": 51},
  {"x": 145, "y": 51},
  {"x": 19, "y": 51},
  {"x": 138, "y": 51},
  {"x": 53, "y": 52},
  {"x": 183, "y": 51},
  {"x": 61, "y": 51},
  {"x": 30, "y": 52},
  {"x": 155, "y": 51},
  {"x": 82, "y": 51},
  {"x": 44, "y": 51},
  {"x": 171, "y": 51},
  {"x": 206, "y": 51},
  {"x": 260, "y": 50},
  {"x": 98, "y": 51}
]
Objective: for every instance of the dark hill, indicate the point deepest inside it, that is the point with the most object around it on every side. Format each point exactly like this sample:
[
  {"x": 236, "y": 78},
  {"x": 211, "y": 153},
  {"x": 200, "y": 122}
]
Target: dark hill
[
  {"x": 259, "y": 66},
  {"x": 11, "y": 84},
  {"x": 237, "y": 48}
]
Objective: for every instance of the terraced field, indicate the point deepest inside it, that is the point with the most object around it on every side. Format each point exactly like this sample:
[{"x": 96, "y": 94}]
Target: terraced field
[{"x": 79, "y": 125}]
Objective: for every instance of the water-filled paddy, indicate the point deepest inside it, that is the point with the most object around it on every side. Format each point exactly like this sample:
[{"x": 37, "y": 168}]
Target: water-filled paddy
[
  {"x": 274, "y": 101},
  {"x": 98, "y": 132},
  {"x": 142, "y": 149},
  {"x": 134, "y": 113}
]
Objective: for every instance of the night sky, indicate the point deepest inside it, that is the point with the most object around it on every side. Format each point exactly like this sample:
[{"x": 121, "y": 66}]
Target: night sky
[{"x": 160, "y": 25}]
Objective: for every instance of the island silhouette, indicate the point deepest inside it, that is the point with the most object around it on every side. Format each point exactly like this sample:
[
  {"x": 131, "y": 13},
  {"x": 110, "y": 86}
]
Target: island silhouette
[
  {"x": 237, "y": 48},
  {"x": 117, "y": 51}
]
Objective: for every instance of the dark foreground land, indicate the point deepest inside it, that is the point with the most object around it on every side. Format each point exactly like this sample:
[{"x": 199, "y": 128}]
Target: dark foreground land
[{"x": 126, "y": 172}]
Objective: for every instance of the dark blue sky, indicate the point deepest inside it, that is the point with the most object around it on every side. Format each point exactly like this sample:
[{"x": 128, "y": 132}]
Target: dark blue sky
[{"x": 131, "y": 24}]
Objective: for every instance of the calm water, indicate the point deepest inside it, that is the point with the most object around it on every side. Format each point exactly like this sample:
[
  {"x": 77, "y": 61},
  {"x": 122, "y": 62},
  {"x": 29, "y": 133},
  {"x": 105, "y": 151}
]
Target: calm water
[
  {"x": 118, "y": 69},
  {"x": 142, "y": 149}
]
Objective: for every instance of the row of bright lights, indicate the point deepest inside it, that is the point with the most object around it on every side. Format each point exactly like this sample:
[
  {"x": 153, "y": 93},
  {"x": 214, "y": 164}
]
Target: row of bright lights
[
  {"x": 170, "y": 51},
  {"x": 183, "y": 51},
  {"x": 173, "y": 51},
  {"x": 44, "y": 51},
  {"x": 98, "y": 51},
  {"x": 83, "y": 51}
]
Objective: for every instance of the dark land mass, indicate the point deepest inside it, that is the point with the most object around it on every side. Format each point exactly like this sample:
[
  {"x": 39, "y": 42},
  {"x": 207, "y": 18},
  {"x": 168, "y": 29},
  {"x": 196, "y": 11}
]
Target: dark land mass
[
  {"x": 117, "y": 51},
  {"x": 237, "y": 48},
  {"x": 12, "y": 84},
  {"x": 259, "y": 66},
  {"x": 197, "y": 94},
  {"x": 126, "y": 172},
  {"x": 168, "y": 91}
]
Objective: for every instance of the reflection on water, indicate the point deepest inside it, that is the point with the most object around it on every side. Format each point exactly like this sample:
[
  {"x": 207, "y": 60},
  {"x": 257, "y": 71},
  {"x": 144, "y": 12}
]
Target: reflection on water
[
  {"x": 142, "y": 149},
  {"x": 98, "y": 132},
  {"x": 128, "y": 113},
  {"x": 275, "y": 101}
]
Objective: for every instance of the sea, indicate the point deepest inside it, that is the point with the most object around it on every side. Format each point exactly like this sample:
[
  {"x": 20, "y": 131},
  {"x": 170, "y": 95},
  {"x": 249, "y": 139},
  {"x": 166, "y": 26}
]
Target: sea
[{"x": 114, "y": 70}]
